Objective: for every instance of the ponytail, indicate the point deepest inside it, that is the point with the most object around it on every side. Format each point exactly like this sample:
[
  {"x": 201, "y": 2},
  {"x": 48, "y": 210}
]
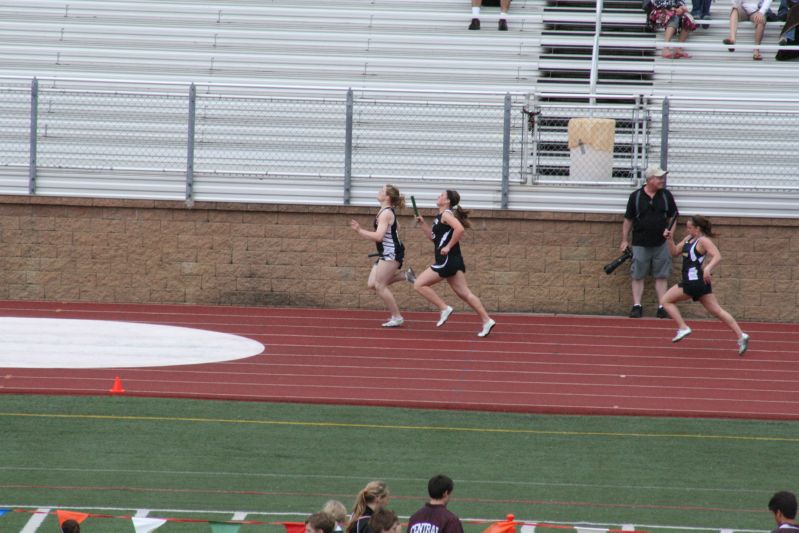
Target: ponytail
[
  {"x": 397, "y": 200},
  {"x": 703, "y": 224},
  {"x": 369, "y": 494},
  {"x": 454, "y": 204}
]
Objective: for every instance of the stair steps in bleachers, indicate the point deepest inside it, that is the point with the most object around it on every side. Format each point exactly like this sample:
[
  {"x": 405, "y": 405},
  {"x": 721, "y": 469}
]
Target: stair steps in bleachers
[{"x": 625, "y": 54}]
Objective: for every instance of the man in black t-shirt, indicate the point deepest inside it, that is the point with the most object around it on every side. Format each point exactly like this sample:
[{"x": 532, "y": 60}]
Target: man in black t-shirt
[
  {"x": 649, "y": 210},
  {"x": 434, "y": 517}
]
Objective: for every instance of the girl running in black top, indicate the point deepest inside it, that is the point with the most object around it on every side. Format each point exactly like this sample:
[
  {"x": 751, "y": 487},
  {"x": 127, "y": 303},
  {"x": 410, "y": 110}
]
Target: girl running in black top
[
  {"x": 390, "y": 251},
  {"x": 699, "y": 258},
  {"x": 446, "y": 233}
]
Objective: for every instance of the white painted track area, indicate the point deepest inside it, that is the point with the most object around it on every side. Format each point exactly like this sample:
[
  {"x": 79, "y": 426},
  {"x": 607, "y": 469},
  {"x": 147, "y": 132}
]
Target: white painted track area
[{"x": 71, "y": 343}]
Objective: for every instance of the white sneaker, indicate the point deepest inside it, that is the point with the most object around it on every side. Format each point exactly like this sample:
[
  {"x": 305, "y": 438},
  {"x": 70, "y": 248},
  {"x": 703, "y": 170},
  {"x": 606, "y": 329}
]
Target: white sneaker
[
  {"x": 394, "y": 322},
  {"x": 410, "y": 277},
  {"x": 681, "y": 334},
  {"x": 444, "y": 316},
  {"x": 487, "y": 328},
  {"x": 743, "y": 344}
]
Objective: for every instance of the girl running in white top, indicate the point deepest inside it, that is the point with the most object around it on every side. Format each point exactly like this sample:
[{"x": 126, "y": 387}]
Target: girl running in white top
[{"x": 390, "y": 251}]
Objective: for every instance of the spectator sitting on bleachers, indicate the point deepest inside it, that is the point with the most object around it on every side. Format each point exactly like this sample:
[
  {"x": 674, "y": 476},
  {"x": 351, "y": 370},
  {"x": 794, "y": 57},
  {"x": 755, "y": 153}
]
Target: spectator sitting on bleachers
[
  {"x": 503, "y": 15},
  {"x": 785, "y": 5},
  {"x": 700, "y": 10},
  {"x": 646, "y": 5},
  {"x": 790, "y": 33},
  {"x": 753, "y": 10},
  {"x": 673, "y": 16}
]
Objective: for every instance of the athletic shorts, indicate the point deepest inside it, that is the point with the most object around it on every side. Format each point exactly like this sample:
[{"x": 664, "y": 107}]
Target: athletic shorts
[
  {"x": 449, "y": 266},
  {"x": 398, "y": 255},
  {"x": 696, "y": 289},
  {"x": 654, "y": 260},
  {"x": 749, "y": 7}
]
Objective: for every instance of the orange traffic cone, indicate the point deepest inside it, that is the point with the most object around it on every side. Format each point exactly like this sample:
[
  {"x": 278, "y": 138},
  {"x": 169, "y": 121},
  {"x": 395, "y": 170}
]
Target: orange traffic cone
[{"x": 117, "y": 388}]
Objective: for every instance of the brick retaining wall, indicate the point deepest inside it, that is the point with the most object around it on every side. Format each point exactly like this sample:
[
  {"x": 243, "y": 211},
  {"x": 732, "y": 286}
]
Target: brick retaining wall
[{"x": 291, "y": 255}]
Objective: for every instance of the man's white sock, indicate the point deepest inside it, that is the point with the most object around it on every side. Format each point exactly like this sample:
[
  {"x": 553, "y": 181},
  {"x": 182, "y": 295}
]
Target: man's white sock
[{"x": 475, "y": 12}]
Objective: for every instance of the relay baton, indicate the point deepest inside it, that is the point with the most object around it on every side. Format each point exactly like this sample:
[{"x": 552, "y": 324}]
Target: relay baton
[
  {"x": 673, "y": 221},
  {"x": 415, "y": 210}
]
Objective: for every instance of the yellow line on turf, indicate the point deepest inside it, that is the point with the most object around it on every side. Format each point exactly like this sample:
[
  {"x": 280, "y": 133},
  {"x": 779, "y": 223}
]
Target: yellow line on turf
[{"x": 400, "y": 427}]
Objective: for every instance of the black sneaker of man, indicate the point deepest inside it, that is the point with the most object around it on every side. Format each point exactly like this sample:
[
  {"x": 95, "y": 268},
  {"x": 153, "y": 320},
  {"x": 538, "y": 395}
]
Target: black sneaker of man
[
  {"x": 503, "y": 25},
  {"x": 637, "y": 311},
  {"x": 475, "y": 25},
  {"x": 662, "y": 313}
]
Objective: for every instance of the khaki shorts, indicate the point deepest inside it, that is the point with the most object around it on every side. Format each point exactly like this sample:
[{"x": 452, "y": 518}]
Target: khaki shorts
[{"x": 654, "y": 260}]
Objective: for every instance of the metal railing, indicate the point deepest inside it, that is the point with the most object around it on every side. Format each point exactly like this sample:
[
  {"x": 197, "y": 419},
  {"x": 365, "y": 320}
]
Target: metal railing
[{"x": 325, "y": 146}]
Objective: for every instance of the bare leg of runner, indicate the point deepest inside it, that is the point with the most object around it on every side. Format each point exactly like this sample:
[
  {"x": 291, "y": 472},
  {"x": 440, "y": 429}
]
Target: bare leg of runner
[{"x": 381, "y": 276}]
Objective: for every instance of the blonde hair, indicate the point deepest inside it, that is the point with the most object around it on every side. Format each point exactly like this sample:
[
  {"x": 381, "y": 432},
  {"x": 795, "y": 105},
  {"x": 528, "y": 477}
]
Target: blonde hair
[
  {"x": 373, "y": 491},
  {"x": 335, "y": 509}
]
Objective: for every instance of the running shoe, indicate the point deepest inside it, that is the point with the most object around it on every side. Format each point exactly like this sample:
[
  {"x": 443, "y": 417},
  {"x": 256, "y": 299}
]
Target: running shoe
[
  {"x": 395, "y": 321},
  {"x": 444, "y": 316},
  {"x": 637, "y": 311},
  {"x": 681, "y": 334},
  {"x": 503, "y": 25},
  {"x": 475, "y": 25},
  {"x": 410, "y": 276},
  {"x": 743, "y": 344},
  {"x": 487, "y": 327},
  {"x": 662, "y": 313}
]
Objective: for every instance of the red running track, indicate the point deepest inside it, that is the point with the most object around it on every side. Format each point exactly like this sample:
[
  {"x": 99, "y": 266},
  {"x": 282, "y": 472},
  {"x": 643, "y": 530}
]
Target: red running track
[{"x": 530, "y": 363}]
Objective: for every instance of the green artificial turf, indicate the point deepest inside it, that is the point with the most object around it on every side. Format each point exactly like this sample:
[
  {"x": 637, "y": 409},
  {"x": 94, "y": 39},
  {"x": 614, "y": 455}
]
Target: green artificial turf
[{"x": 189, "y": 458}]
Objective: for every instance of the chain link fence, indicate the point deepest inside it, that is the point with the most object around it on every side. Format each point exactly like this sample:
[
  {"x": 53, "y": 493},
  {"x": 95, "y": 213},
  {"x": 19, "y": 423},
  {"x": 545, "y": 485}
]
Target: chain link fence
[
  {"x": 452, "y": 141},
  {"x": 111, "y": 130},
  {"x": 711, "y": 146},
  {"x": 575, "y": 142},
  {"x": 269, "y": 136},
  {"x": 178, "y": 144}
]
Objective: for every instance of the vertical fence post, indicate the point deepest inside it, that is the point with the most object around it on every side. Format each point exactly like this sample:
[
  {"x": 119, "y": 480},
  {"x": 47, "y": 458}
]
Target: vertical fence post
[
  {"x": 664, "y": 135},
  {"x": 190, "y": 145},
  {"x": 33, "y": 133},
  {"x": 348, "y": 150},
  {"x": 506, "y": 152},
  {"x": 636, "y": 155},
  {"x": 595, "y": 54}
]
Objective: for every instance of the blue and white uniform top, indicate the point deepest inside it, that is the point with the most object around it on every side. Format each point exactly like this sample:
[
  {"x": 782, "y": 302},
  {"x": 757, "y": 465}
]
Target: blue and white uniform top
[
  {"x": 692, "y": 261},
  {"x": 391, "y": 247}
]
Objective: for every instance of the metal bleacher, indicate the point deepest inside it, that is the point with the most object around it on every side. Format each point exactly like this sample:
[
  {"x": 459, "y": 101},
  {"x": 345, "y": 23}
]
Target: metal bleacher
[
  {"x": 396, "y": 44},
  {"x": 387, "y": 49}
]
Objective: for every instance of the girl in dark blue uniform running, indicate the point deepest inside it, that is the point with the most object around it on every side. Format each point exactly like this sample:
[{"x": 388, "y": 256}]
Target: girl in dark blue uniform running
[
  {"x": 446, "y": 233},
  {"x": 699, "y": 258},
  {"x": 390, "y": 251}
]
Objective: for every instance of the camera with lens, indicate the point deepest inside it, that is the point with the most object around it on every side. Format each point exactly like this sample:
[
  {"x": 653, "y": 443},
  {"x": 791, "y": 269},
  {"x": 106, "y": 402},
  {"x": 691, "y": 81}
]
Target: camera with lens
[{"x": 616, "y": 263}]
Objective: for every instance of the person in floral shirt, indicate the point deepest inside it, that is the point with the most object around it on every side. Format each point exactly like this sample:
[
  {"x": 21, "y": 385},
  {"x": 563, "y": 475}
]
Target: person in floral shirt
[{"x": 675, "y": 18}]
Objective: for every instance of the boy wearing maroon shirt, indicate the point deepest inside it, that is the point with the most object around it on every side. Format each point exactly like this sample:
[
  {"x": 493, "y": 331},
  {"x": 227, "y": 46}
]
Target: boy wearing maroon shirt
[{"x": 434, "y": 516}]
